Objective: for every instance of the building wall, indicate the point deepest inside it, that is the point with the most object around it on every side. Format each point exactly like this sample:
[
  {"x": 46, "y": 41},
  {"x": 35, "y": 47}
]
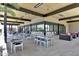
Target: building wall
[{"x": 74, "y": 27}]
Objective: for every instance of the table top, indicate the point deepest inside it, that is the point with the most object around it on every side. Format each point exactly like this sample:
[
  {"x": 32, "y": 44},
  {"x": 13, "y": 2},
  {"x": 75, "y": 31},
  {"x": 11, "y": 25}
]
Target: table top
[{"x": 43, "y": 37}]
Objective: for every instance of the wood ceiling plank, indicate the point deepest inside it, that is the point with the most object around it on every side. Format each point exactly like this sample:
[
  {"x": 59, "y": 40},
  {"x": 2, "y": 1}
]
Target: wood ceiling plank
[
  {"x": 66, "y": 8},
  {"x": 24, "y": 10}
]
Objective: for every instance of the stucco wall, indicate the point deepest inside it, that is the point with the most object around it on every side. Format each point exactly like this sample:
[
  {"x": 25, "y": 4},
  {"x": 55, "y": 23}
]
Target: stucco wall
[{"x": 74, "y": 27}]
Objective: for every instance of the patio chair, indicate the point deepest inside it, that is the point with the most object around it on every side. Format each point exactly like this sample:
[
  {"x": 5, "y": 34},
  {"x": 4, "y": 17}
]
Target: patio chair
[
  {"x": 47, "y": 39},
  {"x": 45, "y": 42},
  {"x": 37, "y": 41},
  {"x": 9, "y": 39},
  {"x": 17, "y": 44}
]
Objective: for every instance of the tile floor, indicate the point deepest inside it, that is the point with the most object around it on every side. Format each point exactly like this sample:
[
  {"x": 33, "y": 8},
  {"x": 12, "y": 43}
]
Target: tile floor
[{"x": 58, "y": 48}]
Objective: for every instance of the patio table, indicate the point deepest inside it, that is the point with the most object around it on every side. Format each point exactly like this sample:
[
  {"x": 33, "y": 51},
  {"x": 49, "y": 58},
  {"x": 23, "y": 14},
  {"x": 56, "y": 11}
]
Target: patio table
[{"x": 43, "y": 39}]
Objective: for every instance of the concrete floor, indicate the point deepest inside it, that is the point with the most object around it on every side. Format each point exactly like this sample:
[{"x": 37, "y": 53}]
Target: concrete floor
[{"x": 58, "y": 48}]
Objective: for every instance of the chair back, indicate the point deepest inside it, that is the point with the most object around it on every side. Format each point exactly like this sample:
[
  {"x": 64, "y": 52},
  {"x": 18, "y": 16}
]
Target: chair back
[{"x": 49, "y": 34}]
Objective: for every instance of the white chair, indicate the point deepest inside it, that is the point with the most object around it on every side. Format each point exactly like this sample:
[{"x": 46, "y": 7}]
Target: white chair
[
  {"x": 36, "y": 41},
  {"x": 33, "y": 36},
  {"x": 17, "y": 44},
  {"x": 46, "y": 42},
  {"x": 42, "y": 42},
  {"x": 9, "y": 39},
  {"x": 47, "y": 39},
  {"x": 50, "y": 37}
]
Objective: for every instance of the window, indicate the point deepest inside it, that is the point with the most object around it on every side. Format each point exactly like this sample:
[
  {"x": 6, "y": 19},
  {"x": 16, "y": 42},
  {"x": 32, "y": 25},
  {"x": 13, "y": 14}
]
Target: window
[
  {"x": 40, "y": 27},
  {"x": 33, "y": 27},
  {"x": 47, "y": 27},
  {"x": 56, "y": 28},
  {"x": 61, "y": 29},
  {"x": 51, "y": 28},
  {"x": 26, "y": 29}
]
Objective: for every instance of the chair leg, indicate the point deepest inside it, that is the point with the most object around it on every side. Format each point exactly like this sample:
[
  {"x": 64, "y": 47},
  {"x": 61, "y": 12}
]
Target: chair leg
[
  {"x": 35, "y": 41},
  {"x": 46, "y": 44},
  {"x": 22, "y": 48},
  {"x": 14, "y": 48},
  {"x": 11, "y": 47},
  {"x": 38, "y": 43},
  {"x": 43, "y": 44}
]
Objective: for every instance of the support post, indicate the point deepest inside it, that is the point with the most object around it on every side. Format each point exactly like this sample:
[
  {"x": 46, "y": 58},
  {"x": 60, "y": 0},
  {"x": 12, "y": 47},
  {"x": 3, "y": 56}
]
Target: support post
[
  {"x": 5, "y": 23},
  {"x": 44, "y": 28}
]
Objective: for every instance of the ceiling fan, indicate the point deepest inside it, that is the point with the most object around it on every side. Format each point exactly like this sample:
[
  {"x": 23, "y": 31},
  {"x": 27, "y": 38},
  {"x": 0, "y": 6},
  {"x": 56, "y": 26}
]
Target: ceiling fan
[{"x": 38, "y": 5}]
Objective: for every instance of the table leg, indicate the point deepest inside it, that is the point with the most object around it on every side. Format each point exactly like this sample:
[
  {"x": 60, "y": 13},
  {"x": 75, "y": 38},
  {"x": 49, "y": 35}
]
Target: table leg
[{"x": 11, "y": 46}]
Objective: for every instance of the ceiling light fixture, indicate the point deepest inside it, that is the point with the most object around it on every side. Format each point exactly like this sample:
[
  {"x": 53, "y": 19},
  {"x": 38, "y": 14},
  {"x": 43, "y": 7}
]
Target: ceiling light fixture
[
  {"x": 37, "y": 5},
  {"x": 61, "y": 15}
]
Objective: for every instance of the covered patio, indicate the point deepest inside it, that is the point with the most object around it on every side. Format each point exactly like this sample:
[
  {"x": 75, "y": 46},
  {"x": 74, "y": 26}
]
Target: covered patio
[{"x": 40, "y": 29}]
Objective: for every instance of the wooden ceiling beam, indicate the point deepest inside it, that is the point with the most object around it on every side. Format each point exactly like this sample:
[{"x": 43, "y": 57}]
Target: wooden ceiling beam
[
  {"x": 72, "y": 21},
  {"x": 22, "y": 19},
  {"x": 67, "y": 18},
  {"x": 13, "y": 22},
  {"x": 10, "y": 24}
]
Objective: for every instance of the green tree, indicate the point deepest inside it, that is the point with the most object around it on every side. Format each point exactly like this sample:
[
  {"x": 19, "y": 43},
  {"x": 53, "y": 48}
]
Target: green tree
[{"x": 9, "y": 10}]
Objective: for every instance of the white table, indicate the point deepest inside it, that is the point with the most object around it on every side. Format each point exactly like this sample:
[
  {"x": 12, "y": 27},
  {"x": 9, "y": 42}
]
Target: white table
[{"x": 43, "y": 39}]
